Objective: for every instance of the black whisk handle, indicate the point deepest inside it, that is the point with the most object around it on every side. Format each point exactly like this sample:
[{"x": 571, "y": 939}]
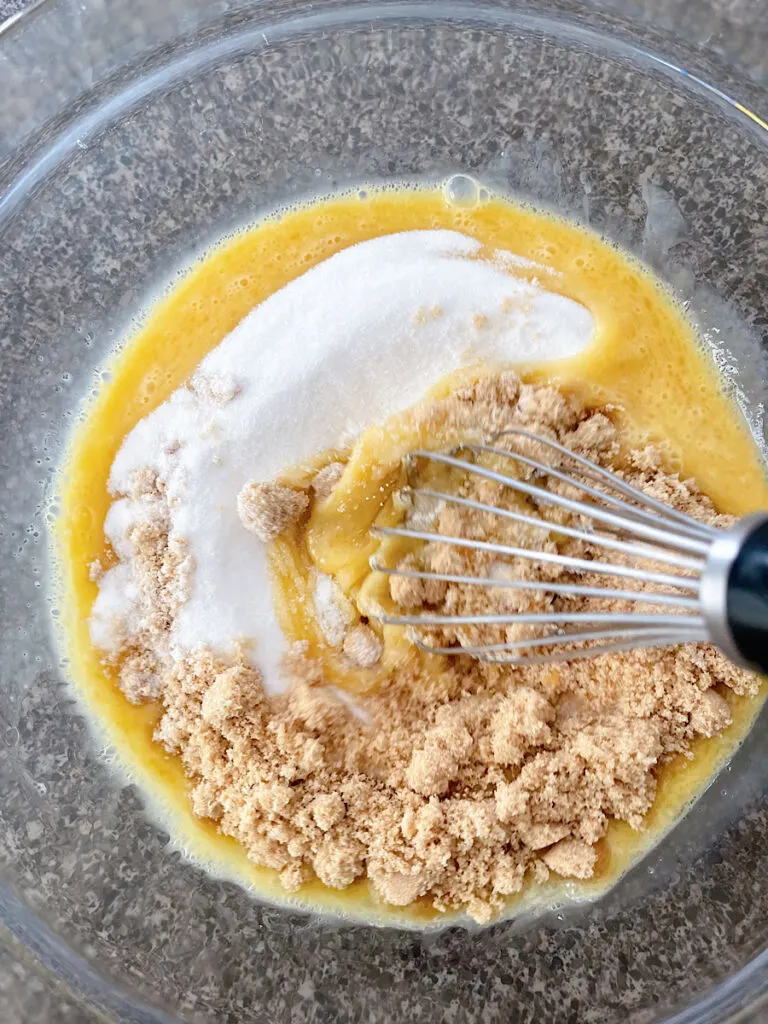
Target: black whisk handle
[
  {"x": 734, "y": 592},
  {"x": 747, "y": 598}
]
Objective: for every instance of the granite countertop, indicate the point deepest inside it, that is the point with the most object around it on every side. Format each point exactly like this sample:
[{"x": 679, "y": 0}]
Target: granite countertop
[
  {"x": 737, "y": 31},
  {"x": 11, "y": 7}
]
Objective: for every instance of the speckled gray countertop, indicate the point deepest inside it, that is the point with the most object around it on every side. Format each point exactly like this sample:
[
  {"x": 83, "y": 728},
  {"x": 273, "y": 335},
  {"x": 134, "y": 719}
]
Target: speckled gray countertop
[
  {"x": 11, "y": 7},
  {"x": 735, "y": 30}
]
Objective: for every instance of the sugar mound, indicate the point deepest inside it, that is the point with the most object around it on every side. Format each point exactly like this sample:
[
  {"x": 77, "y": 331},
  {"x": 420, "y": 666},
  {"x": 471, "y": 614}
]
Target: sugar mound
[{"x": 359, "y": 337}]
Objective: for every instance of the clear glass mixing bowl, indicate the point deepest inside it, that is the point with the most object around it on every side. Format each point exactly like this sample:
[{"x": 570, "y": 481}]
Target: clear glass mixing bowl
[{"x": 132, "y": 135}]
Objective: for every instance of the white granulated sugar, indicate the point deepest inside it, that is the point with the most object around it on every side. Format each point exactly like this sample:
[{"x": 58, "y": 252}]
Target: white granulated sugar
[
  {"x": 122, "y": 514},
  {"x": 116, "y": 610},
  {"x": 332, "y": 609},
  {"x": 357, "y": 338}
]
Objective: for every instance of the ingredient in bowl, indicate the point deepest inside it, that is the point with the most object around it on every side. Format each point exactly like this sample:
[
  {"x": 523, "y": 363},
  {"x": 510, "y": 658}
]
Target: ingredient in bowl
[
  {"x": 360, "y": 763},
  {"x": 300, "y": 374},
  {"x": 459, "y": 781}
]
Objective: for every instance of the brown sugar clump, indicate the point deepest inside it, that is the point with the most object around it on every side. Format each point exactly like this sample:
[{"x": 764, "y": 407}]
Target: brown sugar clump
[
  {"x": 571, "y": 858},
  {"x": 539, "y": 404},
  {"x": 230, "y": 693},
  {"x": 328, "y": 809},
  {"x": 144, "y": 484},
  {"x": 459, "y": 785},
  {"x": 520, "y": 721},
  {"x": 326, "y": 479},
  {"x": 538, "y": 836},
  {"x": 339, "y": 861},
  {"x": 407, "y": 592},
  {"x": 141, "y": 678},
  {"x": 217, "y": 388},
  {"x": 399, "y": 888},
  {"x": 268, "y": 509},
  {"x": 711, "y": 714},
  {"x": 595, "y": 435},
  {"x": 410, "y": 591},
  {"x": 362, "y": 646},
  {"x": 436, "y": 763}
]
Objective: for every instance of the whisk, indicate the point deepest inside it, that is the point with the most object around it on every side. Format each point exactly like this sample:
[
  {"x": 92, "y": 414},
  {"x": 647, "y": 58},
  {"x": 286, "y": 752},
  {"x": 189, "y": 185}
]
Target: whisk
[{"x": 707, "y": 584}]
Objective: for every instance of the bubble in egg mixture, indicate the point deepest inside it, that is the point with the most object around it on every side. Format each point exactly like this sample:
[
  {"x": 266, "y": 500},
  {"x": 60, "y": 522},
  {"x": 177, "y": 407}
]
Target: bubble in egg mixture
[{"x": 462, "y": 190}]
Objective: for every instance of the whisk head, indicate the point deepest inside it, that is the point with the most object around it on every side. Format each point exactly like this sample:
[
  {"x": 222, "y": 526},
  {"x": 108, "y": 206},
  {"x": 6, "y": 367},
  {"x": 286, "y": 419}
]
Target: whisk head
[{"x": 651, "y": 556}]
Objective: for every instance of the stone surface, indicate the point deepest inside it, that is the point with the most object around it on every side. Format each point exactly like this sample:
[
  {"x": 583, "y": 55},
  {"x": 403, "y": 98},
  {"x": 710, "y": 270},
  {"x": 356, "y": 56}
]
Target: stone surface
[
  {"x": 104, "y": 921},
  {"x": 10, "y": 7}
]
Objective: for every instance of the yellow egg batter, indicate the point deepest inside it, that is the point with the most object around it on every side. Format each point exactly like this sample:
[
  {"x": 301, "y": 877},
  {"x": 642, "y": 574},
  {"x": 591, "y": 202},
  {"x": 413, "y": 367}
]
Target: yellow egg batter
[{"x": 645, "y": 360}]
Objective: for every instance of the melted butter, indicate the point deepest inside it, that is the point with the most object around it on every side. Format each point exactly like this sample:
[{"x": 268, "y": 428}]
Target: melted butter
[{"x": 645, "y": 360}]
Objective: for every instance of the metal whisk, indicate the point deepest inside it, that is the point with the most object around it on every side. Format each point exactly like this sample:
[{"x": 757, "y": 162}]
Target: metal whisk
[{"x": 707, "y": 584}]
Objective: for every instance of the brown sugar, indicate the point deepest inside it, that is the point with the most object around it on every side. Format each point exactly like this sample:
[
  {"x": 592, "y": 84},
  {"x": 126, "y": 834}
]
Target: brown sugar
[
  {"x": 711, "y": 714},
  {"x": 326, "y": 479},
  {"x": 571, "y": 858},
  {"x": 268, "y": 509},
  {"x": 140, "y": 678},
  {"x": 362, "y": 646},
  {"x": 217, "y": 388},
  {"x": 455, "y": 786}
]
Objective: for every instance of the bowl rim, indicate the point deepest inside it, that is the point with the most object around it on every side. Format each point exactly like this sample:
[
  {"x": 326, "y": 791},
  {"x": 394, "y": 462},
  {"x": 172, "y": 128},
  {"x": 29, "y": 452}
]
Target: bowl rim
[{"x": 746, "y": 990}]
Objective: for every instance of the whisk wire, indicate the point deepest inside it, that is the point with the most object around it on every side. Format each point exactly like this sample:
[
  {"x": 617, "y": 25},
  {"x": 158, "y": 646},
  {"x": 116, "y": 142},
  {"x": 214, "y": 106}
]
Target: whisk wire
[
  {"x": 580, "y": 564},
  {"x": 636, "y": 635},
  {"x": 566, "y": 589},
  {"x": 612, "y": 519},
  {"x": 556, "y": 656},
  {"x": 545, "y": 619},
  {"x": 655, "y": 554},
  {"x": 590, "y": 469},
  {"x": 638, "y": 528}
]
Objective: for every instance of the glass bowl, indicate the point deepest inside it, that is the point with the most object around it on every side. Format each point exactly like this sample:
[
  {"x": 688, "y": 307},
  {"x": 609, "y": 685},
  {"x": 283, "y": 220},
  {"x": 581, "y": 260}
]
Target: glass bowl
[{"x": 132, "y": 136}]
